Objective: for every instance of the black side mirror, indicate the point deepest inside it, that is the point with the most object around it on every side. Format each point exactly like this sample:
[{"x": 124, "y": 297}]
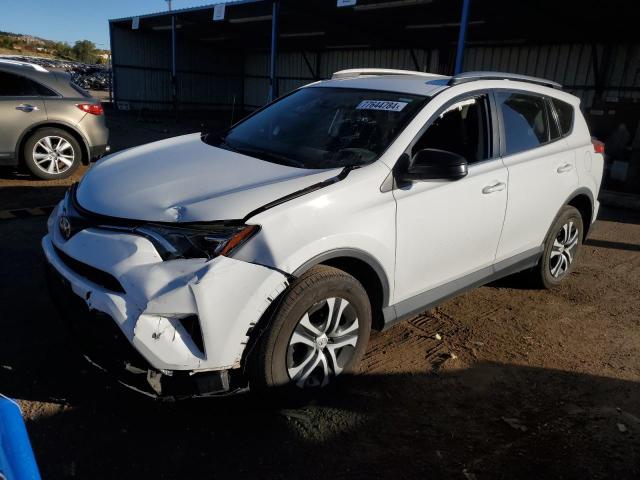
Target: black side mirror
[{"x": 432, "y": 164}]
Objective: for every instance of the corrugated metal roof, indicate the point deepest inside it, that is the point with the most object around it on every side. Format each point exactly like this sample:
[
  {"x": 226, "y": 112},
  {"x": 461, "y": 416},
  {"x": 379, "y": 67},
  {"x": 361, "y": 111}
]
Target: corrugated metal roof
[{"x": 183, "y": 10}]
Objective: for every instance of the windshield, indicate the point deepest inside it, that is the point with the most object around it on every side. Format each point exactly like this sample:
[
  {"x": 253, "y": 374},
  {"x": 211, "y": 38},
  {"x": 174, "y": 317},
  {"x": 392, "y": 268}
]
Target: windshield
[{"x": 323, "y": 127}]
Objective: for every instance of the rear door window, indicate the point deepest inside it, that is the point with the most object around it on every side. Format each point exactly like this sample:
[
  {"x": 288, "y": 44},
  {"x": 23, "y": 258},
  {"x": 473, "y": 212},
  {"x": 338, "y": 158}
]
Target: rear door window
[
  {"x": 12, "y": 85},
  {"x": 524, "y": 119},
  {"x": 565, "y": 115}
]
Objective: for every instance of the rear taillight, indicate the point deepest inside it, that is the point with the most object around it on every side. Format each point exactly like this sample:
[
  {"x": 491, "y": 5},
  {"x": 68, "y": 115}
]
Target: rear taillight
[
  {"x": 92, "y": 108},
  {"x": 598, "y": 146}
]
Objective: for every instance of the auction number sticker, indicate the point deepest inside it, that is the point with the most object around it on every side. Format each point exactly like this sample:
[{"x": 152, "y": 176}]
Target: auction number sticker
[{"x": 385, "y": 105}]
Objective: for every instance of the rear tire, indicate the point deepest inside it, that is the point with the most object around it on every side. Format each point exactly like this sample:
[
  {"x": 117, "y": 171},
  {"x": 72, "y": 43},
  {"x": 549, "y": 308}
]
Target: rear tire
[
  {"x": 52, "y": 153},
  {"x": 561, "y": 249},
  {"x": 322, "y": 310}
]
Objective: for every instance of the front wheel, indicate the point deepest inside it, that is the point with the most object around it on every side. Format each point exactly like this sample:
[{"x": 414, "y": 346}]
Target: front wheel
[
  {"x": 560, "y": 249},
  {"x": 319, "y": 331}
]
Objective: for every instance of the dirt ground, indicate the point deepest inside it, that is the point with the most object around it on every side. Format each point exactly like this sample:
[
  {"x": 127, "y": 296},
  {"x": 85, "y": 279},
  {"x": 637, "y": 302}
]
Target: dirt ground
[{"x": 523, "y": 383}]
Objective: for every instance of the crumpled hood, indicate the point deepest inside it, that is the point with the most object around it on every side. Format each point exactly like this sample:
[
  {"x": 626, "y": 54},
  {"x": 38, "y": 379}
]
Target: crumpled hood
[{"x": 183, "y": 179}]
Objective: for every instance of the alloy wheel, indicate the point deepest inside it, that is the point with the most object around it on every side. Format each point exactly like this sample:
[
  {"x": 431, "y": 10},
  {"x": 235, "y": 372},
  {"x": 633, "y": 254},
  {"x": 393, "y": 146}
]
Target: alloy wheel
[
  {"x": 563, "y": 249},
  {"x": 53, "y": 155},
  {"x": 322, "y": 343}
]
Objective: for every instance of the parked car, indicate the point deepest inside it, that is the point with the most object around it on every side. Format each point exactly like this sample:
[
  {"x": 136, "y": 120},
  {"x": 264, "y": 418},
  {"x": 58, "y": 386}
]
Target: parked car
[
  {"x": 265, "y": 256},
  {"x": 47, "y": 123}
]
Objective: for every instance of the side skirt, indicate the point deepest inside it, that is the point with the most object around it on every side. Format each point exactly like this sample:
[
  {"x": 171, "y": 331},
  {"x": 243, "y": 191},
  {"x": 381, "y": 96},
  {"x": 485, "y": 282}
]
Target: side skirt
[{"x": 431, "y": 298}]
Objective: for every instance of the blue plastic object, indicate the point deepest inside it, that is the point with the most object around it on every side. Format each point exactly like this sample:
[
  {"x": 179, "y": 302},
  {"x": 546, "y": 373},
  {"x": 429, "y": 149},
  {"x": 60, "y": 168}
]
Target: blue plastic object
[{"x": 16, "y": 457}]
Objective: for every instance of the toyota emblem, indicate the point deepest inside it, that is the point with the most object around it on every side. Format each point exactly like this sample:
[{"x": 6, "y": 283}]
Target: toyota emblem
[{"x": 65, "y": 227}]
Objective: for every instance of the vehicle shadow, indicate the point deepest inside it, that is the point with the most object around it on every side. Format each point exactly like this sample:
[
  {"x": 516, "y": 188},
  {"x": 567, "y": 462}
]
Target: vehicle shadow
[{"x": 489, "y": 421}]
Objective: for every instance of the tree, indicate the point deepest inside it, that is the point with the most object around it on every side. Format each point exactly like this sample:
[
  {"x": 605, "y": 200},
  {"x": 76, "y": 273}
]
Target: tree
[
  {"x": 64, "y": 50},
  {"x": 84, "y": 51}
]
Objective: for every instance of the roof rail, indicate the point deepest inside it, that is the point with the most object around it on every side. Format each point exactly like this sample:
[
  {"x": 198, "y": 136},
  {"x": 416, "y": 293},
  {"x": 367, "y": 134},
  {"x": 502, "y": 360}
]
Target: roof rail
[
  {"x": 474, "y": 76},
  {"x": 357, "y": 72},
  {"x": 38, "y": 68}
]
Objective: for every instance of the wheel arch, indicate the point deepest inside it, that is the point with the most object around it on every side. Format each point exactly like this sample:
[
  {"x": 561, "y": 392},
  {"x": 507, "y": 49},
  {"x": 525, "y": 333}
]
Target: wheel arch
[
  {"x": 582, "y": 200},
  {"x": 53, "y": 124},
  {"x": 364, "y": 268}
]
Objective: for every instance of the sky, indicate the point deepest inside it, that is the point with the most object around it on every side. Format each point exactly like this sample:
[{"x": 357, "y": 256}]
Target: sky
[{"x": 71, "y": 20}]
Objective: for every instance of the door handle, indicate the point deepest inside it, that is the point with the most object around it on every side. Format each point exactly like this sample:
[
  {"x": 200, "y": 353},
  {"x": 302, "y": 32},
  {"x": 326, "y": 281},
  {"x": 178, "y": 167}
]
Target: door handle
[
  {"x": 564, "y": 168},
  {"x": 494, "y": 188},
  {"x": 25, "y": 107}
]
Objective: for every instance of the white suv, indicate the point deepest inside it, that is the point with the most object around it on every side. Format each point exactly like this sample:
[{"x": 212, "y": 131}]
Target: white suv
[{"x": 264, "y": 256}]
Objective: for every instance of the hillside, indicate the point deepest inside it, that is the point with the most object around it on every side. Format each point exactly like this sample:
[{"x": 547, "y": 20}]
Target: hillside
[{"x": 20, "y": 44}]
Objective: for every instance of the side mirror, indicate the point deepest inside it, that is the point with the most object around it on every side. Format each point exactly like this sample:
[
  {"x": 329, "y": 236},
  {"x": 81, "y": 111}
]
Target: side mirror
[{"x": 433, "y": 164}]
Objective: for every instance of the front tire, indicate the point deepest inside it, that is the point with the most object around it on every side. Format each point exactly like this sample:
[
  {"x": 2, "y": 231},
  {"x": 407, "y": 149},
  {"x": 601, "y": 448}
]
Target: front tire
[
  {"x": 561, "y": 249},
  {"x": 319, "y": 331},
  {"x": 52, "y": 153}
]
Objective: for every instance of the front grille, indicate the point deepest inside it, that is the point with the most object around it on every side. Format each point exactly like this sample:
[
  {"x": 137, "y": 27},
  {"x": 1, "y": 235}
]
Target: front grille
[{"x": 94, "y": 275}]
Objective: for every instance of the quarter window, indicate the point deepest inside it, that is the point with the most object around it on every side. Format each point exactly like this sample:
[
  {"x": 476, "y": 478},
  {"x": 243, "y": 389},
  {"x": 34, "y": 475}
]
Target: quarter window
[
  {"x": 565, "y": 115},
  {"x": 461, "y": 128},
  {"x": 525, "y": 121}
]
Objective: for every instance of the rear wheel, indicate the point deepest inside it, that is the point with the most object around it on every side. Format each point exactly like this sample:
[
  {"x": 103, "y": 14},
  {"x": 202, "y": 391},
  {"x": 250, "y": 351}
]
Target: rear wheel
[
  {"x": 560, "y": 249},
  {"x": 320, "y": 330},
  {"x": 52, "y": 153}
]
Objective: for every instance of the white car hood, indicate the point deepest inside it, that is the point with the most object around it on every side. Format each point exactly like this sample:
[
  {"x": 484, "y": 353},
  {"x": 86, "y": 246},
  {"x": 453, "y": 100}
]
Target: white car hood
[{"x": 183, "y": 179}]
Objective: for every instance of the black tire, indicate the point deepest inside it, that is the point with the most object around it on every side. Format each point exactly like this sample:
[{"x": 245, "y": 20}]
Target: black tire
[
  {"x": 547, "y": 274},
  {"x": 58, "y": 168},
  {"x": 268, "y": 367}
]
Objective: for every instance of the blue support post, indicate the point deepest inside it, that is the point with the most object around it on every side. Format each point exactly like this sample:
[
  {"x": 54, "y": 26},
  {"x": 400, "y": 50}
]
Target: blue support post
[
  {"x": 174, "y": 80},
  {"x": 464, "y": 21},
  {"x": 273, "y": 79}
]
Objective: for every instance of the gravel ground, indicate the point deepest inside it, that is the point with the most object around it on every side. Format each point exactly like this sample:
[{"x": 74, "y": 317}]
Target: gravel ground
[{"x": 522, "y": 383}]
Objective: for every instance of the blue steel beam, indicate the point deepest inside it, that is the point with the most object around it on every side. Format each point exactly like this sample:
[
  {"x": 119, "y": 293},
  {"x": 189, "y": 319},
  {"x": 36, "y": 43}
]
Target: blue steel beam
[
  {"x": 462, "y": 34},
  {"x": 273, "y": 80}
]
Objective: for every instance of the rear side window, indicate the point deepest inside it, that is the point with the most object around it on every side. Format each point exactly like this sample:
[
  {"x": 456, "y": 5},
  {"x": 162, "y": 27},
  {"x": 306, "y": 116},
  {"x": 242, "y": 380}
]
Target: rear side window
[
  {"x": 525, "y": 121},
  {"x": 17, "y": 86},
  {"x": 565, "y": 115}
]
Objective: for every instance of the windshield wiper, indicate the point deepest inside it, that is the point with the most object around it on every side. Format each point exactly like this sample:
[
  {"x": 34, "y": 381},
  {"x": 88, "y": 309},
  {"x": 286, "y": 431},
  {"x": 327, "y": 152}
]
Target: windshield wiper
[{"x": 265, "y": 155}]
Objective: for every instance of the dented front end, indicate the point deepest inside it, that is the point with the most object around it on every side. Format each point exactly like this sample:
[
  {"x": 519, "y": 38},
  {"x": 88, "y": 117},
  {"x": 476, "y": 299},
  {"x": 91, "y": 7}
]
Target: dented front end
[{"x": 184, "y": 323}]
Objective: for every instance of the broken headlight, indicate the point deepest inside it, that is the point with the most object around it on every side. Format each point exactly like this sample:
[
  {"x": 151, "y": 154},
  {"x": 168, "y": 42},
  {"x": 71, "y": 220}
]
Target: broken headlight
[{"x": 196, "y": 241}]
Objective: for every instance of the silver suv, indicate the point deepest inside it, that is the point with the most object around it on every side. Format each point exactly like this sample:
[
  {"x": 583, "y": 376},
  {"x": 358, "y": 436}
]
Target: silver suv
[{"x": 47, "y": 123}]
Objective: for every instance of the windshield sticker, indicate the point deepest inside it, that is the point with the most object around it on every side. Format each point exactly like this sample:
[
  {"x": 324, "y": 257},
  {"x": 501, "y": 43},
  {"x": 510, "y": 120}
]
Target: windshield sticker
[{"x": 385, "y": 105}]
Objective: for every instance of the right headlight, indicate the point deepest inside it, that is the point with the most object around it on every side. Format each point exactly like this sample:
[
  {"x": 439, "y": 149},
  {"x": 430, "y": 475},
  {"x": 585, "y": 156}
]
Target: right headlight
[{"x": 196, "y": 241}]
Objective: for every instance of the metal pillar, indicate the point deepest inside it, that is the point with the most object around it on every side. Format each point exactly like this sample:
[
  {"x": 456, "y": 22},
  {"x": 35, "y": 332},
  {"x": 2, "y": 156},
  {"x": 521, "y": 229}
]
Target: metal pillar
[
  {"x": 273, "y": 79},
  {"x": 174, "y": 83},
  {"x": 111, "y": 69},
  {"x": 464, "y": 21}
]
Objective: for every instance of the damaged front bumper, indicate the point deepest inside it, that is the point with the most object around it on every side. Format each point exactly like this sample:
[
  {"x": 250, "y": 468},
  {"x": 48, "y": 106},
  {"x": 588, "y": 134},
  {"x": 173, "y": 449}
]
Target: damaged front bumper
[{"x": 177, "y": 327}]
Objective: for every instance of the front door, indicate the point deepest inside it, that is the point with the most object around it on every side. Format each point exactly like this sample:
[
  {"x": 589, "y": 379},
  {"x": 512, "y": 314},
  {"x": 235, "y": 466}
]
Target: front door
[{"x": 449, "y": 230}]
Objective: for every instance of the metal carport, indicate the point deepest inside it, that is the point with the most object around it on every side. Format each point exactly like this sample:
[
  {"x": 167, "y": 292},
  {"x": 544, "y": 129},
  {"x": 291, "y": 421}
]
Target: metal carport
[{"x": 186, "y": 60}]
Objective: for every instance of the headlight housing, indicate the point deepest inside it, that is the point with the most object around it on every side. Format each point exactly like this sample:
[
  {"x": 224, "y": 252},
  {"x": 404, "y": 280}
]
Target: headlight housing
[{"x": 196, "y": 240}]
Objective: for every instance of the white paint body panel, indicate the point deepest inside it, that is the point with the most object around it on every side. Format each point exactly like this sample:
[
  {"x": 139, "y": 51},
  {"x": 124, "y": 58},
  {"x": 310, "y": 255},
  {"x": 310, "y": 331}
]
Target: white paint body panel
[
  {"x": 184, "y": 179},
  {"x": 448, "y": 229},
  {"x": 536, "y": 193}
]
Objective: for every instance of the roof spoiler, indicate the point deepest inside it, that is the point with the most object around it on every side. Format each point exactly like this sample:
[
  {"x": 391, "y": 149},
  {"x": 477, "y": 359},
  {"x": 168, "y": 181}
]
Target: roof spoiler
[{"x": 475, "y": 76}]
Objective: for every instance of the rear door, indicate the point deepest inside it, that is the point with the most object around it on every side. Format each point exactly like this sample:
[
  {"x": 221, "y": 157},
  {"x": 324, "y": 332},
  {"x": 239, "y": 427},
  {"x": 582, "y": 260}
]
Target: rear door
[
  {"x": 542, "y": 170},
  {"x": 20, "y": 107}
]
